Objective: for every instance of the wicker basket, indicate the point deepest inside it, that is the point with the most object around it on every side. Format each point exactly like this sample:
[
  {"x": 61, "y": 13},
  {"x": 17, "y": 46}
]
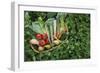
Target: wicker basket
[
  {"x": 52, "y": 48},
  {"x": 52, "y": 36}
]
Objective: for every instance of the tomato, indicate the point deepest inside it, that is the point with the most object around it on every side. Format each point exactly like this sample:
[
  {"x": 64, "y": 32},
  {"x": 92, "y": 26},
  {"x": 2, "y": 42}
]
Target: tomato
[
  {"x": 42, "y": 42},
  {"x": 39, "y": 36}
]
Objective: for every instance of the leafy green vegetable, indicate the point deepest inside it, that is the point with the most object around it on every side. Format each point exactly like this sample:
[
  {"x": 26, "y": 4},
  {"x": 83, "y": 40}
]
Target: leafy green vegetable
[
  {"x": 50, "y": 28},
  {"x": 36, "y": 27}
]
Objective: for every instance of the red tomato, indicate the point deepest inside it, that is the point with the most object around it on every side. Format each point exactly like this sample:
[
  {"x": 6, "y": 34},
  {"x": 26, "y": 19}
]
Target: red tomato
[
  {"x": 42, "y": 43},
  {"x": 39, "y": 36}
]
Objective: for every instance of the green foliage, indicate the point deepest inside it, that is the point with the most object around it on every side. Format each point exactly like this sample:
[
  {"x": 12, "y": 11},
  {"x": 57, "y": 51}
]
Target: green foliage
[{"x": 75, "y": 44}]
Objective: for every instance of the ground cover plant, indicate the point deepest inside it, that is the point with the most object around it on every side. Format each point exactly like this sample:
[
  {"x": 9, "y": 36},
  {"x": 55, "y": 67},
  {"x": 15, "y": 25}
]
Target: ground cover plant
[{"x": 56, "y": 36}]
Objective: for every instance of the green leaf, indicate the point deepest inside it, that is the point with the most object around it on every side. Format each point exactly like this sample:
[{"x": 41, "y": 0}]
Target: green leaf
[{"x": 37, "y": 28}]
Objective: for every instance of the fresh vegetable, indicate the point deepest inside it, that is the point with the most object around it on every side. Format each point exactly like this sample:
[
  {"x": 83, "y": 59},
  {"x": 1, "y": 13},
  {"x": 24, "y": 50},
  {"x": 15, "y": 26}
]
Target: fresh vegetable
[
  {"x": 47, "y": 46},
  {"x": 62, "y": 26},
  {"x": 37, "y": 28},
  {"x": 56, "y": 42},
  {"x": 42, "y": 43},
  {"x": 50, "y": 29},
  {"x": 58, "y": 35},
  {"x": 46, "y": 41},
  {"x": 39, "y": 36},
  {"x": 34, "y": 41},
  {"x": 44, "y": 36},
  {"x": 40, "y": 48}
]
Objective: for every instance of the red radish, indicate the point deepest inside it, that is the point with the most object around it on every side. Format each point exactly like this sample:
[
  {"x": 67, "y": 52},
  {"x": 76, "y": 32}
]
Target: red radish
[
  {"x": 44, "y": 36},
  {"x": 39, "y": 36},
  {"x": 42, "y": 43},
  {"x": 46, "y": 41}
]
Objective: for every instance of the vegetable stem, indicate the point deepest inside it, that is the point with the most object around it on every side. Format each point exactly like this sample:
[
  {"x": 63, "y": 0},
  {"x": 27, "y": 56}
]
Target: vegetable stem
[{"x": 55, "y": 27}]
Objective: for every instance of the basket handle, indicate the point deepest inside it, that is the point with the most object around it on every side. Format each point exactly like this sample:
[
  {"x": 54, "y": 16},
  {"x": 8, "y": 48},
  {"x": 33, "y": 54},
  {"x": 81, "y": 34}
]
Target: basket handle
[{"x": 34, "y": 48}]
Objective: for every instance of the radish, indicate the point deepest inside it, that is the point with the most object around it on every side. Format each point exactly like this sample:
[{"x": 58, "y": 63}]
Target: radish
[
  {"x": 46, "y": 41},
  {"x": 47, "y": 46},
  {"x": 42, "y": 43},
  {"x": 44, "y": 36},
  {"x": 40, "y": 48},
  {"x": 34, "y": 41},
  {"x": 39, "y": 36},
  {"x": 56, "y": 42}
]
